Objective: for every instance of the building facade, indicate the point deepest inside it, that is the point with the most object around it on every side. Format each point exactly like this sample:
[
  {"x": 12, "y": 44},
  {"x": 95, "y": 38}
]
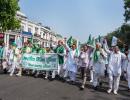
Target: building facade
[{"x": 33, "y": 31}]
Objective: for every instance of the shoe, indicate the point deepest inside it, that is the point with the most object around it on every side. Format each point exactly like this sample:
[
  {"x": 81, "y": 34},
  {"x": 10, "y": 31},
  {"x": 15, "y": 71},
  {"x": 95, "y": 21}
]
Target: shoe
[
  {"x": 115, "y": 92},
  {"x": 82, "y": 87},
  {"x": 73, "y": 83},
  {"x": 46, "y": 77},
  {"x": 100, "y": 84},
  {"x": 91, "y": 81},
  {"x": 95, "y": 88},
  {"x": 67, "y": 80},
  {"x": 5, "y": 71},
  {"x": 10, "y": 74},
  {"x": 18, "y": 75},
  {"x": 109, "y": 91}
]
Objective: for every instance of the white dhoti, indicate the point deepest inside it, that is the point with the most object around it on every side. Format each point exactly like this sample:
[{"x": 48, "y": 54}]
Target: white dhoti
[
  {"x": 114, "y": 82},
  {"x": 98, "y": 72},
  {"x": 13, "y": 67}
]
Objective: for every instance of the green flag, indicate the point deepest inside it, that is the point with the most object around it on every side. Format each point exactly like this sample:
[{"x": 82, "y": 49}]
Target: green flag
[
  {"x": 89, "y": 39},
  {"x": 99, "y": 38},
  {"x": 78, "y": 48},
  {"x": 92, "y": 44},
  {"x": 70, "y": 41}
]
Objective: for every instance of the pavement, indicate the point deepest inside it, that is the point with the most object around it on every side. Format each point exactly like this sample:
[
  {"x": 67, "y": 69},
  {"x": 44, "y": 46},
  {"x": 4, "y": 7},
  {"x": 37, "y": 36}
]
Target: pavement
[{"x": 30, "y": 88}]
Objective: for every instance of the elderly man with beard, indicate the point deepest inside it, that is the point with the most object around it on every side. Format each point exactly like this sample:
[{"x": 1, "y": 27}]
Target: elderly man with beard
[
  {"x": 98, "y": 65},
  {"x": 114, "y": 68}
]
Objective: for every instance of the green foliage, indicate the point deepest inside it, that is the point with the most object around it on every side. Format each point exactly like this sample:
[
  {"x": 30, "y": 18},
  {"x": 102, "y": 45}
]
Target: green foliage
[
  {"x": 123, "y": 35},
  {"x": 8, "y": 9},
  {"x": 127, "y": 10}
]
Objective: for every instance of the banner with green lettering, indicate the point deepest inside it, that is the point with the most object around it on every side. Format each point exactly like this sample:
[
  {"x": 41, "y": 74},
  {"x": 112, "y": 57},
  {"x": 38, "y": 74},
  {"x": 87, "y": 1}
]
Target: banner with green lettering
[{"x": 47, "y": 61}]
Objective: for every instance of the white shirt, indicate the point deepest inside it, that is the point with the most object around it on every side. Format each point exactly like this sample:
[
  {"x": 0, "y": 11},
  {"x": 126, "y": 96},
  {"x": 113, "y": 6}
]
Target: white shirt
[{"x": 115, "y": 63}]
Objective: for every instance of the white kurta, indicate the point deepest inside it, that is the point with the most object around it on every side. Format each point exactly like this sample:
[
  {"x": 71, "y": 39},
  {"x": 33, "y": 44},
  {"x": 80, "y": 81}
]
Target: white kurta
[
  {"x": 5, "y": 52},
  {"x": 128, "y": 65},
  {"x": 71, "y": 61},
  {"x": 10, "y": 56},
  {"x": 99, "y": 66},
  {"x": 115, "y": 62},
  {"x": 128, "y": 69},
  {"x": 85, "y": 58}
]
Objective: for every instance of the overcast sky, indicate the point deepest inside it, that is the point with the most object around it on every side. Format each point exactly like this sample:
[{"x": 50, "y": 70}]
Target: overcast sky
[{"x": 78, "y": 18}]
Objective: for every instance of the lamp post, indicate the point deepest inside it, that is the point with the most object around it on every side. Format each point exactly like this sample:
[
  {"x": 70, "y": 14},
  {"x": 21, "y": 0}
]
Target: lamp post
[{"x": 51, "y": 42}]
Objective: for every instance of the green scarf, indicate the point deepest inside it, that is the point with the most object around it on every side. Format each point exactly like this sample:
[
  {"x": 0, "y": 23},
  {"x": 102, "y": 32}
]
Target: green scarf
[
  {"x": 59, "y": 49},
  {"x": 42, "y": 51},
  {"x": 96, "y": 55},
  {"x": 1, "y": 52},
  {"x": 24, "y": 49}
]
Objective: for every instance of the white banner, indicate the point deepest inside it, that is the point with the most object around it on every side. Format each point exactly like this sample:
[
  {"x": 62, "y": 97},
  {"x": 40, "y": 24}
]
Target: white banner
[
  {"x": 40, "y": 62},
  {"x": 114, "y": 41}
]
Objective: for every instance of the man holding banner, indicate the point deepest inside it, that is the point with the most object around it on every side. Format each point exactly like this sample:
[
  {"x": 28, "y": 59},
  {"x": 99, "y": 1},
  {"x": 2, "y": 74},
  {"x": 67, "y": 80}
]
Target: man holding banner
[
  {"x": 61, "y": 53},
  {"x": 15, "y": 63}
]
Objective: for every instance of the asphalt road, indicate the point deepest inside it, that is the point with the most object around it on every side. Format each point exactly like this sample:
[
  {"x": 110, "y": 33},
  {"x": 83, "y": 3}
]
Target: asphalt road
[{"x": 29, "y": 88}]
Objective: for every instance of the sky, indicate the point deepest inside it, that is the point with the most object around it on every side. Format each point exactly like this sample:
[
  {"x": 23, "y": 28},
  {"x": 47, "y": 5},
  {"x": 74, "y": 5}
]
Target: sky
[{"x": 77, "y": 18}]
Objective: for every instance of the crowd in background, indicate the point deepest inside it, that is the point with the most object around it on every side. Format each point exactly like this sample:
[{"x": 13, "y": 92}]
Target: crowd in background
[{"x": 96, "y": 61}]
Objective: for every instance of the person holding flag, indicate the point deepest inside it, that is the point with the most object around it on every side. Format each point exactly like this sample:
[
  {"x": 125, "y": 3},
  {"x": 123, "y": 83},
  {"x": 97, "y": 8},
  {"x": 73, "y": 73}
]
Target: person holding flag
[
  {"x": 71, "y": 61},
  {"x": 98, "y": 65},
  {"x": 114, "y": 68},
  {"x": 85, "y": 57}
]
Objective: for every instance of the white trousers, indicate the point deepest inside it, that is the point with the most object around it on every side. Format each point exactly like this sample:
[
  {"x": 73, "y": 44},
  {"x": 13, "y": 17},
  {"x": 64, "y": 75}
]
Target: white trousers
[
  {"x": 114, "y": 82},
  {"x": 72, "y": 75},
  {"x": 129, "y": 81},
  {"x": 96, "y": 79},
  {"x": 91, "y": 75},
  {"x": 13, "y": 67}
]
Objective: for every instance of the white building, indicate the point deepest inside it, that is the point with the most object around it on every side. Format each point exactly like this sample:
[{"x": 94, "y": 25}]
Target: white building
[{"x": 29, "y": 29}]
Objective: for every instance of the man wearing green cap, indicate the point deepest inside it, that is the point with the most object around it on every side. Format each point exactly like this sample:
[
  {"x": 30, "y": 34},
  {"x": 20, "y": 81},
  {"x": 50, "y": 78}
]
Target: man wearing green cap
[
  {"x": 60, "y": 51},
  {"x": 15, "y": 58},
  {"x": 98, "y": 64}
]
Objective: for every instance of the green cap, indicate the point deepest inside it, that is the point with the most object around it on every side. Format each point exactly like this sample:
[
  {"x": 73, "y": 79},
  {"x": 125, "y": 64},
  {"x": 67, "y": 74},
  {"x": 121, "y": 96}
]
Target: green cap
[{"x": 14, "y": 44}]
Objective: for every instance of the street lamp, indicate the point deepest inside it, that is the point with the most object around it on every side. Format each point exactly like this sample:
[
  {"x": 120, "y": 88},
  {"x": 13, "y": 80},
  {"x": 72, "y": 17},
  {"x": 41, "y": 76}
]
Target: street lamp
[{"x": 51, "y": 42}]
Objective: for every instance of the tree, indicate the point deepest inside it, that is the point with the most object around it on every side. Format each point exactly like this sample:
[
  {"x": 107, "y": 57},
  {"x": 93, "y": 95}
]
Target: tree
[
  {"x": 123, "y": 35},
  {"x": 127, "y": 10},
  {"x": 8, "y": 20}
]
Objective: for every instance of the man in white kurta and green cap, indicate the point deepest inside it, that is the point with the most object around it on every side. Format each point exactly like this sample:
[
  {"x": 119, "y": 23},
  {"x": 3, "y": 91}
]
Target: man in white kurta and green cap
[
  {"x": 98, "y": 65},
  {"x": 15, "y": 59}
]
